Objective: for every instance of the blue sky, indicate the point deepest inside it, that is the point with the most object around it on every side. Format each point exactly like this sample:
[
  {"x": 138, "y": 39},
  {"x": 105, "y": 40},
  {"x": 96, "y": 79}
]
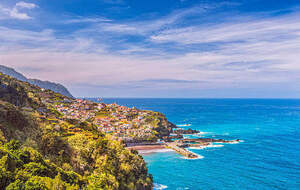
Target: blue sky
[{"x": 157, "y": 48}]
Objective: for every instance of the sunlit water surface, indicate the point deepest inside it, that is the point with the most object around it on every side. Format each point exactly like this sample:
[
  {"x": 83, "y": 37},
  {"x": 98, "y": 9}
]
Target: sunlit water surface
[{"x": 269, "y": 157}]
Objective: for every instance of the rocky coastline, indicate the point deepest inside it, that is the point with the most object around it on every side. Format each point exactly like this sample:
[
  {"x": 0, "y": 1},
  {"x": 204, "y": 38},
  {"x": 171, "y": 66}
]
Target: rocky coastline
[
  {"x": 189, "y": 131},
  {"x": 176, "y": 141}
]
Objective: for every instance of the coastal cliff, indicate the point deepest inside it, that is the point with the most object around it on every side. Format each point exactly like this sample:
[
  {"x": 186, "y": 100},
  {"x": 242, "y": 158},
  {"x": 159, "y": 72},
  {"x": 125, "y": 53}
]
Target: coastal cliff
[
  {"x": 44, "y": 146},
  {"x": 43, "y": 84}
]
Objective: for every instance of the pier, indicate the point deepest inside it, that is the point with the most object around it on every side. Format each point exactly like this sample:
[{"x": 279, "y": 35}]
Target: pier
[{"x": 188, "y": 154}]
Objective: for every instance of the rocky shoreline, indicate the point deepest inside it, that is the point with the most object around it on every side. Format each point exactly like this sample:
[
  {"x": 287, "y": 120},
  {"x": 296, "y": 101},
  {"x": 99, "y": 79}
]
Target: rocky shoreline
[
  {"x": 189, "y": 131},
  {"x": 176, "y": 142}
]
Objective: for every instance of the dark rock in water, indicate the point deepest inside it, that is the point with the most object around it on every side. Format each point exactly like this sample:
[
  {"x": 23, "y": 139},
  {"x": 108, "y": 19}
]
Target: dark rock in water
[
  {"x": 169, "y": 138},
  {"x": 43, "y": 84},
  {"x": 185, "y": 131},
  {"x": 208, "y": 140}
]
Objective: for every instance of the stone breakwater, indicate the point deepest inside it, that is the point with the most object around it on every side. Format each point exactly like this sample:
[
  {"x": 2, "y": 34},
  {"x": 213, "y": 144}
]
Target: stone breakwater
[
  {"x": 176, "y": 147},
  {"x": 180, "y": 145}
]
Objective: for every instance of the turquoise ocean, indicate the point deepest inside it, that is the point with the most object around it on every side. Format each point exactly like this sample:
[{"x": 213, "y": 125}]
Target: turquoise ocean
[{"x": 267, "y": 158}]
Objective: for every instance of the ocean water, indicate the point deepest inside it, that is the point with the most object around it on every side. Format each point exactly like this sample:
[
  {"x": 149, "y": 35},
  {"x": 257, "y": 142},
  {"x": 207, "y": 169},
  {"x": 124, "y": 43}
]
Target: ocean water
[{"x": 268, "y": 157}]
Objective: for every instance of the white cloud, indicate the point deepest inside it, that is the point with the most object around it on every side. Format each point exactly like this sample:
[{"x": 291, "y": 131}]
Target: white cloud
[
  {"x": 86, "y": 20},
  {"x": 25, "y": 5},
  {"x": 254, "y": 30},
  {"x": 16, "y": 12},
  {"x": 3, "y": 12},
  {"x": 257, "y": 52},
  {"x": 145, "y": 27}
]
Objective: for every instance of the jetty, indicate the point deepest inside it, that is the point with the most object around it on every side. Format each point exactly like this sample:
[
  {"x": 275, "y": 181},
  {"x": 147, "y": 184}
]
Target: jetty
[
  {"x": 177, "y": 147},
  {"x": 180, "y": 146}
]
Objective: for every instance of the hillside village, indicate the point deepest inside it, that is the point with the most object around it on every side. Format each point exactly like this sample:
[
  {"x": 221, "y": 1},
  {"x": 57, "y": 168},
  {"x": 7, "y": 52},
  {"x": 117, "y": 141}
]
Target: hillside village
[{"x": 123, "y": 123}]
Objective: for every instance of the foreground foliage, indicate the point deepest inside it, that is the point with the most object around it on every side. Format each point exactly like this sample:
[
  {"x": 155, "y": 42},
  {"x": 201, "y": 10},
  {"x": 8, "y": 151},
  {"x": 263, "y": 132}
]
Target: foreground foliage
[{"x": 39, "y": 150}]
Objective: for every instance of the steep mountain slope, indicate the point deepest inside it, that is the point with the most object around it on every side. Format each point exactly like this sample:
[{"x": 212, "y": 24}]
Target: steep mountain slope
[
  {"x": 41, "y": 149},
  {"x": 43, "y": 84},
  {"x": 11, "y": 72}
]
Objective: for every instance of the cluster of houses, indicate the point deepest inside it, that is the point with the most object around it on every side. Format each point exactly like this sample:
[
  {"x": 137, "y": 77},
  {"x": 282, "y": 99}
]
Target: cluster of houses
[
  {"x": 78, "y": 109},
  {"x": 125, "y": 123},
  {"x": 122, "y": 122}
]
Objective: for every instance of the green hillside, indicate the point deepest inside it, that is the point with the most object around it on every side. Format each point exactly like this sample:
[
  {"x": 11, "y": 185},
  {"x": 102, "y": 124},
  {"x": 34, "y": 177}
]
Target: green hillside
[{"x": 42, "y": 149}]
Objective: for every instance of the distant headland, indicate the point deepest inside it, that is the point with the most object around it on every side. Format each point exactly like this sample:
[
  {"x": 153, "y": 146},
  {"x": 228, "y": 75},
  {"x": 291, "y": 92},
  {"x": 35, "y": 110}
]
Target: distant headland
[{"x": 56, "y": 87}]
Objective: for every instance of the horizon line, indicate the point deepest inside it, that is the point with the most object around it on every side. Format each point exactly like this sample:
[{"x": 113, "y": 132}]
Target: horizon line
[{"x": 270, "y": 98}]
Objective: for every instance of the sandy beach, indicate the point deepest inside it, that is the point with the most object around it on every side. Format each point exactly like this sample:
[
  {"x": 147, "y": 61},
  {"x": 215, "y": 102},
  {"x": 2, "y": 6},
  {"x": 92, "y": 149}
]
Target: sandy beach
[{"x": 146, "y": 147}]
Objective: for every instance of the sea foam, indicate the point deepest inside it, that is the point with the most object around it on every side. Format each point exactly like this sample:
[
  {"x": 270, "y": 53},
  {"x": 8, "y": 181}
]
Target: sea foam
[
  {"x": 184, "y": 125},
  {"x": 159, "y": 186},
  {"x": 201, "y": 133},
  {"x": 199, "y": 157},
  {"x": 236, "y": 142},
  {"x": 208, "y": 146},
  {"x": 214, "y": 145}
]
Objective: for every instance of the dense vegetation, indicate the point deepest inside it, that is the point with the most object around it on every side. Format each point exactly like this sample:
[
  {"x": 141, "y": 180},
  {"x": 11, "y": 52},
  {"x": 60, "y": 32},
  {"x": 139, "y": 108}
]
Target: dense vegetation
[{"x": 39, "y": 150}]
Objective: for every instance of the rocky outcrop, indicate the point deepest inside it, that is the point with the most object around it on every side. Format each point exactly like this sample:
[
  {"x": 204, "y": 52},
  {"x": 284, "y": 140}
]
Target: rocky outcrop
[
  {"x": 185, "y": 131},
  {"x": 163, "y": 127},
  {"x": 208, "y": 140}
]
